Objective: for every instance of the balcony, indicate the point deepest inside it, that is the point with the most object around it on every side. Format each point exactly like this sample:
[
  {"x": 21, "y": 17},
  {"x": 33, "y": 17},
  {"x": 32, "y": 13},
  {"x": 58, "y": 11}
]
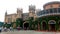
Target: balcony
[{"x": 52, "y": 11}]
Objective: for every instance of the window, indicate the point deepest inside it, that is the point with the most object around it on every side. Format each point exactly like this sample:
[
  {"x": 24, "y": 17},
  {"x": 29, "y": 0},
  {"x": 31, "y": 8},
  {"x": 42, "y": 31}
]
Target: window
[
  {"x": 55, "y": 10},
  {"x": 52, "y": 22},
  {"x": 40, "y": 13},
  {"x": 43, "y": 12},
  {"x": 47, "y": 11},
  {"x": 51, "y": 10},
  {"x": 58, "y": 10},
  {"x": 9, "y": 19}
]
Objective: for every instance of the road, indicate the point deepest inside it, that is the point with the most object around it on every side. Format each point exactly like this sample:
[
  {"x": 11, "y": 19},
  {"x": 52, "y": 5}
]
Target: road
[{"x": 28, "y": 32}]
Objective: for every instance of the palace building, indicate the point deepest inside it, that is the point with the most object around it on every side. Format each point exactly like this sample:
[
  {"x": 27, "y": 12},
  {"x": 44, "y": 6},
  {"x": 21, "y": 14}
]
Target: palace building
[
  {"x": 49, "y": 17},
  {"x": 12, "y": 17}
]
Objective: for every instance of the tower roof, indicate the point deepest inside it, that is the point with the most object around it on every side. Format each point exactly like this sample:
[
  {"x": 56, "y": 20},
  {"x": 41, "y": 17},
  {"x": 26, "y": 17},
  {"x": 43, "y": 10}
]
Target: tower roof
[{"x": 6, "y": 12}]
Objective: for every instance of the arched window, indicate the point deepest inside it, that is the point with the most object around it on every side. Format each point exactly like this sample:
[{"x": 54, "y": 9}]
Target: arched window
[{"x": 51, "y": 22}]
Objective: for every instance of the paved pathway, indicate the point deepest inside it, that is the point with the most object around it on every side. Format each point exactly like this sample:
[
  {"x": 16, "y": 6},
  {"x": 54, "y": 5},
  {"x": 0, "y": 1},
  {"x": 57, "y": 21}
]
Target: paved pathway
[{"x": 28, "y": 32}]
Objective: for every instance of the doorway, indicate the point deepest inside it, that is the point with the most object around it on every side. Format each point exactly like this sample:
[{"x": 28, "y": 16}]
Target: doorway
[
  {"x": 26, "y": 26},
  {"x": 52, "y": 25},
  {"x": 43, "y": 25}
]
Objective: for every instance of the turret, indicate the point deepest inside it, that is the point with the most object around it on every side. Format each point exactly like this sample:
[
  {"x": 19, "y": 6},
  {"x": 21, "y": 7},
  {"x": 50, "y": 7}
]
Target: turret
[
  {"x": 19, "y": 12},
  {"x": 5, "y": 17},
  {"x": 5, "y": 13},
  {"x": 31, "y": 10}
]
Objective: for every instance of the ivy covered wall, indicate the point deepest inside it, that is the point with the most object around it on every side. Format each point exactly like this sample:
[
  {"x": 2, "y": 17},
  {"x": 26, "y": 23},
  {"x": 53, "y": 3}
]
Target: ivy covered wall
[{"x": 47, "y": 18}]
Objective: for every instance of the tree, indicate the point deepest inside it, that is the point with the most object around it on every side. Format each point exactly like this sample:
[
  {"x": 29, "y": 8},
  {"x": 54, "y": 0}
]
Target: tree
[
  {"x": 19, "y": 21},
  {"x": 7, "y": 25}
]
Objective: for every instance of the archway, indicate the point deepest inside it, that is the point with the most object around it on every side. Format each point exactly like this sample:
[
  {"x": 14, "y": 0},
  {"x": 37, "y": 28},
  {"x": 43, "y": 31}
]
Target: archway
[
  {"x": 43, "y": 25},
  {"x": 51, "y": 25},
  {"x": 59, "y": 24},
  {"x": 26, "y": 26}
]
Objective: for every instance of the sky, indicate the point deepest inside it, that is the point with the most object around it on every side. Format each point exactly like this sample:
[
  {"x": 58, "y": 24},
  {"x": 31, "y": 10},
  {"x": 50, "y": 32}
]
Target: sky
[{"x": 11, "y": 6}]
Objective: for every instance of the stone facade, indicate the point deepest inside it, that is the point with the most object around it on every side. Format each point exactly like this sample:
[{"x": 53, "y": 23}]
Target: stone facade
[
  {"x": 12, "y": 17},
  {"x": 50, "y": 16},
  {"x": 46, "y": 19}
]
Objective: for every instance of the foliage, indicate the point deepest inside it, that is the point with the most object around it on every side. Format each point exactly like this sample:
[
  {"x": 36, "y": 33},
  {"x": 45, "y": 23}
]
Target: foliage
[
  {"x": 47, "y": 18},
  {"x": 7, "y": 25},
  {"x": 19, "y": 22},
  {"x": 31, "y": 23}
]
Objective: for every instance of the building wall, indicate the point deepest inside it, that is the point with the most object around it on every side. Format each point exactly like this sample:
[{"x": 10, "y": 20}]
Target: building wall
[
  {"x": 10, "y": 18},
  {"x": 13, "y": 17},
  {"x": 25, "y": 16},
  {"x": 31, "y": 14},
  {"x": 47, "y": 19},
  {"x": 7, "y": 18},
  {"x": 52, "y": 6}
]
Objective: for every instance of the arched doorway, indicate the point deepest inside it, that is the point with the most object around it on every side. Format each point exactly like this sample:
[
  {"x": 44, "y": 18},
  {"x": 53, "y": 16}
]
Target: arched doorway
[
  {"x": 43, "y": 25},
  {"x": 26, "y": 26},
  {"x": 51, "y": 25},
  {"x": 59, "y": 24}
]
